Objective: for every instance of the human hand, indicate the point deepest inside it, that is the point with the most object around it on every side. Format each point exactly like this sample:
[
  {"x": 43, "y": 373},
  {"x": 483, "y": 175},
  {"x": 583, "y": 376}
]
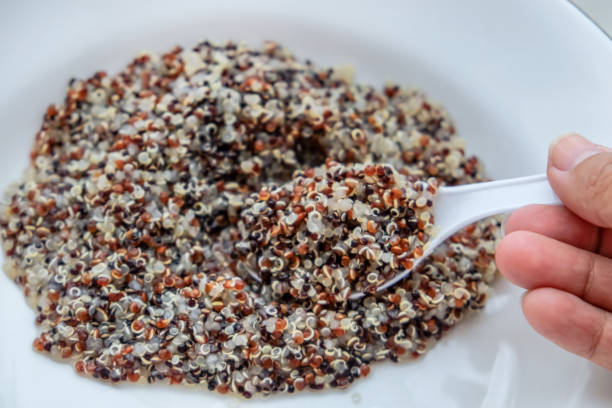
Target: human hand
[{"x": 562, "y": 255}]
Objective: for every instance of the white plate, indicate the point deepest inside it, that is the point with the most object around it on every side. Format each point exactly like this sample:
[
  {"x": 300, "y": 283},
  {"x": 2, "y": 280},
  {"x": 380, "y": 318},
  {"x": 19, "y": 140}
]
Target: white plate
[{"x": 513, "y": 75}]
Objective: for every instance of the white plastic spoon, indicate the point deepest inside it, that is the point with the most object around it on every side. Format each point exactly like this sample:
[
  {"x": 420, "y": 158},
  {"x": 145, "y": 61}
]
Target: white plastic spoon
[{"x": 457, "y": 207}]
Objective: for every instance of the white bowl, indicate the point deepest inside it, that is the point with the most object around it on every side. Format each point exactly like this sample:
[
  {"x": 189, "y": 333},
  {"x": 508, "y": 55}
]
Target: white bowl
[{"x": 513, "y": 75}]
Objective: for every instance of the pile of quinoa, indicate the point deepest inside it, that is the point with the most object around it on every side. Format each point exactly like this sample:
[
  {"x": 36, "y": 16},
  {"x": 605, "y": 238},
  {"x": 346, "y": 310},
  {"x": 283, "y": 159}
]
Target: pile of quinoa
[
  {"x": 335, "y": 230},
  {"x": 203, "y": 216}
]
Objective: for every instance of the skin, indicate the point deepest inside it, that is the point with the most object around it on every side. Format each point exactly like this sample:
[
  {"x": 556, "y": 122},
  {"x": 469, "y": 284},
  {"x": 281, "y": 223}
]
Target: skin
[{"x": 562, "y": 255}]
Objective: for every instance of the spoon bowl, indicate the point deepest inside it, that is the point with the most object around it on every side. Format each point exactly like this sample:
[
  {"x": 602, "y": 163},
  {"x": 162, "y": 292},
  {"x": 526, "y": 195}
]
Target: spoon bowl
[{"x": 457, "y": 207}]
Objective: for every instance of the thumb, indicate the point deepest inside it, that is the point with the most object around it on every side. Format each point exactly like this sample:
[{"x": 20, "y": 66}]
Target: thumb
[{"x": 580, "y": 172}]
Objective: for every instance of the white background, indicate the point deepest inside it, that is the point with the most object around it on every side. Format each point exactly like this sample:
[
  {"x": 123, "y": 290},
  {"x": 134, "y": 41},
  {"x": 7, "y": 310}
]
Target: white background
[{"x": 513, "y": 75}]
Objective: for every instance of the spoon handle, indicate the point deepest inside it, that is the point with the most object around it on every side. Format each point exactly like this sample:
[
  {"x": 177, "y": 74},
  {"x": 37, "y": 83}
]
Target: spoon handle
[{"x": 457, "y": 207}]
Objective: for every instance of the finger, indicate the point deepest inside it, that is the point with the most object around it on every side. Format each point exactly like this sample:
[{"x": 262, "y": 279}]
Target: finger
[
  {"x": 556, "y": 222},
  {"x": 580, "y": 172},
  {"x": 571, "y": 323},
  {"x": 533, "y": 261}
]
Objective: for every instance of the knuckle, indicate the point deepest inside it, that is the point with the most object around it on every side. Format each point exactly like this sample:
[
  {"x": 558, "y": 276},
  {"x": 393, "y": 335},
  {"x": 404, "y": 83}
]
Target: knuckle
[
  {"x": 589, "y": 266},
  {"x": 595, "y": 348},
  {"x": 598, "y": 192}
]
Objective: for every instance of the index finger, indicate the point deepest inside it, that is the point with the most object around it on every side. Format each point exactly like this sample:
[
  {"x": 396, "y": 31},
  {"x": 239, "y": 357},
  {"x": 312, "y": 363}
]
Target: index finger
[{"x": 556, "y": 222}]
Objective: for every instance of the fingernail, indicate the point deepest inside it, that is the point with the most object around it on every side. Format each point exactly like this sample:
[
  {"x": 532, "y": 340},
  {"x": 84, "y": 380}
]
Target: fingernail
[{"x": 568, "y": 150}]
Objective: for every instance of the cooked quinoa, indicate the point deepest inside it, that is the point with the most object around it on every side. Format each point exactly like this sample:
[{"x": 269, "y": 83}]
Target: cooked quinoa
[
  {"x": 202, "y": 216},
  {"x": 335, "y": 230}
]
